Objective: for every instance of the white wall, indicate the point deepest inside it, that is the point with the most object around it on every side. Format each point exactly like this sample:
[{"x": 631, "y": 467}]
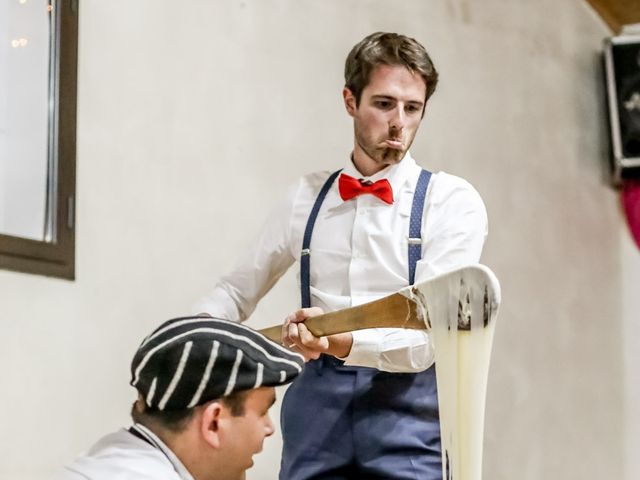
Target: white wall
[{"x": 193, "y": 116}]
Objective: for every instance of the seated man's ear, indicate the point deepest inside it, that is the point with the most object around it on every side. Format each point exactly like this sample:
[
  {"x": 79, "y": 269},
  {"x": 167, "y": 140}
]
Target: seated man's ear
[
  {"x": 139, "y": 405},
  {"x": 212, "y": 422}
]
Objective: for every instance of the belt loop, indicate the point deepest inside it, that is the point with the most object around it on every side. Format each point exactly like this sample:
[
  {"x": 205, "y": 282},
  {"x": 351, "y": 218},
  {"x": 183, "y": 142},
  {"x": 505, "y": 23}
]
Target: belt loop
[{"x": 319, "y": 364}]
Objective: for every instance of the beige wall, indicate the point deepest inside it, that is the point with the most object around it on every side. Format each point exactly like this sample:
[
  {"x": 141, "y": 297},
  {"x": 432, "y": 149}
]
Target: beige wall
[{"x": 194, "y": 115}]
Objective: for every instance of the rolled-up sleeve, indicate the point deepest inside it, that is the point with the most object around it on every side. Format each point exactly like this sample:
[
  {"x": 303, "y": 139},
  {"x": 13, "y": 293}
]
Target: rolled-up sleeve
[{"x": 391, "y": 350}]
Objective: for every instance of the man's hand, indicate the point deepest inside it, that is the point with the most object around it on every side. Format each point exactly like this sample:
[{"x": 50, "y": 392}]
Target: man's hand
[{"x": 296, "y": 335}]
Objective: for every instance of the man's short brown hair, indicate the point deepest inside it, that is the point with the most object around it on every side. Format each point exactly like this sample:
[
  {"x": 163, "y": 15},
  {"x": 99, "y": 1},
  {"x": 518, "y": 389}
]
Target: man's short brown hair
[{"x": 387, "y": 49}]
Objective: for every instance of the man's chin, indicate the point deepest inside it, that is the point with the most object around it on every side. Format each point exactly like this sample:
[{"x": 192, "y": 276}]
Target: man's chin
[
  {"x": 251, "y": 459},
  {"x": 392, "y": 155}
]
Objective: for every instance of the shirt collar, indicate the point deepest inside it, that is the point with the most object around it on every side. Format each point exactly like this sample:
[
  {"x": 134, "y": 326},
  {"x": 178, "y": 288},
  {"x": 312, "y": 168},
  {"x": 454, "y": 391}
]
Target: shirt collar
[
  {"x": 396, "y": 174},
  {"x": 159, "y": 444}
]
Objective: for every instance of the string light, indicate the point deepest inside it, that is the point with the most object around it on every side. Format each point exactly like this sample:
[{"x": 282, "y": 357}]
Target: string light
[
  {"x": 22, "y": 2},
  {"x": 19, "y": 42},
  {"x": 633, "y": 103}
]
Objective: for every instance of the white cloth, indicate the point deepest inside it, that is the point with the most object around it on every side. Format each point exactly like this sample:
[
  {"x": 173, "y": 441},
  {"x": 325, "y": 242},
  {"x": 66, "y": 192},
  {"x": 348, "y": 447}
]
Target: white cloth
[
  {"x": 123, "y": 456},
  {"x": 359, "y": 254}
]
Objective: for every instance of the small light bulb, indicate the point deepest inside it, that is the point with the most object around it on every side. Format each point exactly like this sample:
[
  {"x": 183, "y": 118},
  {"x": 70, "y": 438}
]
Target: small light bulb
[
  {"x": 49, "y": 8},
  {"x": 19, "y": 42},
  {"x": 22, "y": 2}
]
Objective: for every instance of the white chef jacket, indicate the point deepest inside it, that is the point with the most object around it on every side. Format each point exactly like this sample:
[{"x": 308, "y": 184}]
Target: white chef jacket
[
  {"x": 123, "y": 456},
  {"x": 359, "y": 254}
]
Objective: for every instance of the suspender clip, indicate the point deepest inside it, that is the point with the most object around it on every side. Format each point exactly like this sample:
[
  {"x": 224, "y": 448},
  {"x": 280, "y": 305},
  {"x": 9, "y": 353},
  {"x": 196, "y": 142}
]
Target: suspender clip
[
  {"x": 305, "y": 251},
  {"x": 415, "y": 241}
]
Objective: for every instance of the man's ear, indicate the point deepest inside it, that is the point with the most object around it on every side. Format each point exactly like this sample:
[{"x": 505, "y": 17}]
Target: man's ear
[
  {"x": 211, "y": 423},
  {"x": 349, "y": 101}
]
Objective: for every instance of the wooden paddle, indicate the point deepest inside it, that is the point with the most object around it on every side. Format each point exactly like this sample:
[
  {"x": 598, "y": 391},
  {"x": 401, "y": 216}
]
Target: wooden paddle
[
  {"x": 409, "y": 307},
  {"x": 395, "y": 310}
]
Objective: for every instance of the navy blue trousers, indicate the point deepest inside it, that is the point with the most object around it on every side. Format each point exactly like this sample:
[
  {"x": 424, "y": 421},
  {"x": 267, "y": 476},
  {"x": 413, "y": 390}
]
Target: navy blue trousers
[{"x": 360, "y": 423}]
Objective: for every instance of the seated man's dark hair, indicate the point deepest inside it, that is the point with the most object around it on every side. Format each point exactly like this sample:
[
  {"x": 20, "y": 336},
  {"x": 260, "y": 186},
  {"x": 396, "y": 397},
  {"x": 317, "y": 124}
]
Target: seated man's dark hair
[{"x": 176, "y": 421}]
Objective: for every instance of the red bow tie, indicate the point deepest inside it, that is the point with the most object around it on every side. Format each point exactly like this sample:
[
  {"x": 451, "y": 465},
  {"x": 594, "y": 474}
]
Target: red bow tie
[{"x": 352, "y": 187}]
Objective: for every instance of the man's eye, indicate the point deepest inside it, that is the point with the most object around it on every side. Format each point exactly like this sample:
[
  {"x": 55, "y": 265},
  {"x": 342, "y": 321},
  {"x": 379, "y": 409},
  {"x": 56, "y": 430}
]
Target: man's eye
[
  {"x": 383, "y": 104},
  {"x": 413, "y": 108}
]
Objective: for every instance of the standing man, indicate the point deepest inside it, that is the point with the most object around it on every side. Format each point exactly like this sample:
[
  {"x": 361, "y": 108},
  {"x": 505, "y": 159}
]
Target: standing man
[
  {"x": 365, "y": 406},
  {"x": 205, "y": 387}
]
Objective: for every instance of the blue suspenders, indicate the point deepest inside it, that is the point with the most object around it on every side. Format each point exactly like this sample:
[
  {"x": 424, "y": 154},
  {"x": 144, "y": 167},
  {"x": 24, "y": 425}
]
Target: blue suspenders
[
  {"x": 415, "y": 223},
  {"x": 415, "y": 235},
  {"x": 305, "y": 267}
]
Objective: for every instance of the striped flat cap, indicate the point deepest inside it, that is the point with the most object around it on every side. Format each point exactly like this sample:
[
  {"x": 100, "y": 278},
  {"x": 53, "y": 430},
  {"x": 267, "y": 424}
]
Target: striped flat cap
[{"x": 191, "y": 360}]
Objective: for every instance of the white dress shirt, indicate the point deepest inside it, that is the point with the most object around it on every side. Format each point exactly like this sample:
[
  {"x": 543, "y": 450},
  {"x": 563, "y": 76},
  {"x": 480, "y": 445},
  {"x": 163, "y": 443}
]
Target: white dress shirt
[
  {"x": 359, "y": 254},
  {"x": 123, "y": 456}
]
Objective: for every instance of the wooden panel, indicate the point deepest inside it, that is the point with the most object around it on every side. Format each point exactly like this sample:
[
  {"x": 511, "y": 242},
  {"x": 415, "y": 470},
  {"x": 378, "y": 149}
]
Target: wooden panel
[{"x": 617, "y": 13}]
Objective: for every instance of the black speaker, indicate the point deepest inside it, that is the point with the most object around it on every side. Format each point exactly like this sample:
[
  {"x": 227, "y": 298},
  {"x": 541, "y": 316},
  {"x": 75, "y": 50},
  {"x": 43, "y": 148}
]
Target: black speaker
[{"x": 622, "y": 68}]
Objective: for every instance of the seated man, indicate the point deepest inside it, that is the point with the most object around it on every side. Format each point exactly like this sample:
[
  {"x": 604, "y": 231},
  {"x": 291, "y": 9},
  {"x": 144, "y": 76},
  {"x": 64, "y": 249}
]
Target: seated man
[{"x": 204, "y": 390}]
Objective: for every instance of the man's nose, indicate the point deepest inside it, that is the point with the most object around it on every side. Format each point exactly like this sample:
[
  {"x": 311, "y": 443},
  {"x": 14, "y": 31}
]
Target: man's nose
[{"x": 398, "y": 119}]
